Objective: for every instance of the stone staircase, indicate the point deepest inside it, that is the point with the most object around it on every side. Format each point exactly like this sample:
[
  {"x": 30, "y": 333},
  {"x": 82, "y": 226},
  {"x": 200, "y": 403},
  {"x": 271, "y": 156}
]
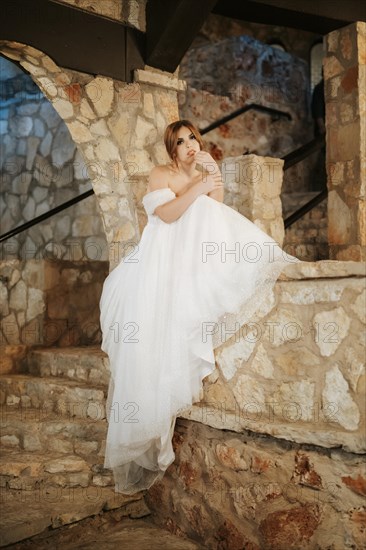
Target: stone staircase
[
  {"x": 53, "y": 423},
  {"x": 53, "y": 429}
]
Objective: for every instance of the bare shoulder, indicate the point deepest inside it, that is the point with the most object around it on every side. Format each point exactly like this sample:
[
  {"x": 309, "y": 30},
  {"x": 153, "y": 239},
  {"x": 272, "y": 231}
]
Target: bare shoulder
[{"x": 158, "y": 178}]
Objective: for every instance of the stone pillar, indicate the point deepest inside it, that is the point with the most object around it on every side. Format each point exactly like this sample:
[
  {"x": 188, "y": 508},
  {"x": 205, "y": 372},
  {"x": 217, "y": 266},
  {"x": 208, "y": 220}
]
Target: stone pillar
[
  {"x": 252, "y": 187},
  {"x": 345, "y": 85},
  {"x": 118, "y": 129}
]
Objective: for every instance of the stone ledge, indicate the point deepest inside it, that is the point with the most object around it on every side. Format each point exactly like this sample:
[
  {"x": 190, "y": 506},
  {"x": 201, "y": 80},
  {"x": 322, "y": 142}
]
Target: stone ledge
[
  {"x": 27, "y": 513},
  {"x": 118, "y": 528},
  {"x": 37, "y": 430},
  {"x": 161, "y": 79},
  {"x": 348, "y": 442},
  {"x": 324, "y": 269},
  {"x": 87, "y": 364},
  {"x": 71, "y": 398},
  {"x": 260, "y": 493},
  {"x": 27, "y": 470}
]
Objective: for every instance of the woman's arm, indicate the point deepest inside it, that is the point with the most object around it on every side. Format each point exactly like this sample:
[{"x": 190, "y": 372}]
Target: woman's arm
[
  {"x": 211, "y": 167},
  {"x": 217, "y": 194},
  {"x": 172, "y": 210}
]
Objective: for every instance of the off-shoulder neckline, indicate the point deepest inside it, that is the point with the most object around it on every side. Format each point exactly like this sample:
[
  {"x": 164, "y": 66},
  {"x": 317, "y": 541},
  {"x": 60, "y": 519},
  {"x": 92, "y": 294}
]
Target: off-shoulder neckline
[{"x": 162, "y": 189}]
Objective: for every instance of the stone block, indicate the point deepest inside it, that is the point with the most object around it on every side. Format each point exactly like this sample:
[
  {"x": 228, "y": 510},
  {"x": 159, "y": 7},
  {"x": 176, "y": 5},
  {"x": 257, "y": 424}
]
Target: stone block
[{"x": 336, "y": 392}]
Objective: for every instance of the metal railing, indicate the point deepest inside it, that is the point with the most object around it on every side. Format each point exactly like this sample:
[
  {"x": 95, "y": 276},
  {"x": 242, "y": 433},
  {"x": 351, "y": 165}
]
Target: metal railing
[
  {"x": 245, "y": 108},
  {"x": 305, "y": 208},
  {"x": 293, "y": 158},
  {"x": 45, "y": 215},
  {"x": 304, "y": 151}
]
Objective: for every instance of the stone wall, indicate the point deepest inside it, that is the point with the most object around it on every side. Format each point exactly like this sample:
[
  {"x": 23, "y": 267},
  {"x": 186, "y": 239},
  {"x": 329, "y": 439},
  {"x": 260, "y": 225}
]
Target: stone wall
[
  {"x": 41, "y": 168},
  {"x": 117, "y": 128},
  {"x": 49, "y": 303},
  {"x": 252, "y": 187},
  {"x": 295, "y": 41},
  {"x": 297, "y": 370},
  {"x": 307, "y": 238},
  {"x": 126, "y": 11},
  {"x": 271, "y": 457},
  {"x": 345, "y": 85},
  {"x": 232, "y": 491},
  {"x": 283, "y": 414},
  {"x": 249, "y": 72}
]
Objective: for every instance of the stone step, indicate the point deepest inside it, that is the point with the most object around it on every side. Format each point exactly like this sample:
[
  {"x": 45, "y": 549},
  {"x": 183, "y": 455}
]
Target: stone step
[
  {"x": 36, "y": 430},
  {"x": 45, "y": 511},
  {"x": 120, "y": 534},
  {"x": 67, "y": 397},
  {"x": 86, "y": 364},
  {"x": 30, "y": 470}
]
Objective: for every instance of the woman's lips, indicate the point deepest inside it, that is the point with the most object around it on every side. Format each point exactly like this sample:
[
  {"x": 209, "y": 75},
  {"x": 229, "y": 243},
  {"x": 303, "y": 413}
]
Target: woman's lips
[{"x": 190, "y": 153}]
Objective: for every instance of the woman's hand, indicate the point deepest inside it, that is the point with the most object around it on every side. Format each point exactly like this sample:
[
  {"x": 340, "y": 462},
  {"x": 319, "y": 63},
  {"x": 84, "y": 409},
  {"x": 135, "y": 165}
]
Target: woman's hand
[
  {"x": 208, "y": 184},
  {"x": 212, "y": 184},
  {"x": 208, "y": 162}
]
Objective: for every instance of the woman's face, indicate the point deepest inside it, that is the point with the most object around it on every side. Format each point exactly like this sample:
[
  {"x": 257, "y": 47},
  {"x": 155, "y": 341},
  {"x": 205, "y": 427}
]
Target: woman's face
[{"x": 187, "y": 145}]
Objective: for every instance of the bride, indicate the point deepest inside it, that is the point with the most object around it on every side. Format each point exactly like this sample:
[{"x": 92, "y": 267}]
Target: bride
[
  {"x": 201, "y": 270},
  {"x": 184, "y": 146}
]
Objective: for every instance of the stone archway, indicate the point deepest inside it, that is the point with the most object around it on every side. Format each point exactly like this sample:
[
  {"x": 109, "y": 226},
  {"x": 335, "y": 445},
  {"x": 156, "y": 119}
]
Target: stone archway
[
  {"x": 117, "y": 128},
  {"x": 87, "y": 105}
]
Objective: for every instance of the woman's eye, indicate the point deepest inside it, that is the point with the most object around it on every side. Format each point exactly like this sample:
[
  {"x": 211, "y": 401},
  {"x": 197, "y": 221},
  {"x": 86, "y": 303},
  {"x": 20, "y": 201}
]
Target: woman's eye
[{"x": 179, "y": 142}]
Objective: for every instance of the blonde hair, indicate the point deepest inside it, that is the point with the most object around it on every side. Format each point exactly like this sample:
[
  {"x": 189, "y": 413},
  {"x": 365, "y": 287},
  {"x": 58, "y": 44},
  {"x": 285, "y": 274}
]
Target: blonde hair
[{"x": 170, "y": 136}]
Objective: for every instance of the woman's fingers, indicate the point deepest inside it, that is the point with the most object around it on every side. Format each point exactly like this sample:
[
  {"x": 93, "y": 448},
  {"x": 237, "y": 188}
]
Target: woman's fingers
[{"x": 203, "y": 156}]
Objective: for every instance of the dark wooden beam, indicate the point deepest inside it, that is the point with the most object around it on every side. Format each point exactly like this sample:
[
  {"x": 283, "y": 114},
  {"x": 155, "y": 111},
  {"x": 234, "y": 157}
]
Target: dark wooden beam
[
  {"x": 317, "y": 16},
  {"x": 73, "y": 38},
  {"x": 171, "y": 26},
  {"x": 341, "y": 10}
]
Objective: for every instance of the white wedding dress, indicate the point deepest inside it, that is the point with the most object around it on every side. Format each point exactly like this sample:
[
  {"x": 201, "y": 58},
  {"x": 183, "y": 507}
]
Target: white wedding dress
[{"x": 170, "y": 302}]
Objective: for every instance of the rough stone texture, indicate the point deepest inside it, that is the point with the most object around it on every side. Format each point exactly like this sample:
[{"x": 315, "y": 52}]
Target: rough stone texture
[
  {"x": 71, "y": 398},
  {"x": 72, "y": 363},
  {"x": 116, "y": 161},
  {"x": 336, "y": 392},
  {"x": 126, "y": 11},
  {"x": 316, "y": 309},
  {"x": 254, "y": 492},
  {"x": 56, "y": 513},
  {"x": 252, "y": 187},
  {"x": 51, "y": 467},
  {"x": 226, "y": 489},
  {"x": 329, "y": 269},
  {"x": 54, "y": 434},
  {"x": 52, "y": 302},
  {"x": 112, "y": 529},
  {"x": 297, "y": 370},
  {"x": 345, "y": 82},
  {"x": 299, "y": 377},
  {"x": 250, "y": 72},
  {"x": 217, "y": 28},
  {"x": 307, "y": 238},
  {"x": 40, "y": 170}
]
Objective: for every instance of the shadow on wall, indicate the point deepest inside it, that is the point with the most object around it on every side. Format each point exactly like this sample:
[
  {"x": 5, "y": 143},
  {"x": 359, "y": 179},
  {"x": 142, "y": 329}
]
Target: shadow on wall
[
  {"x": 40, "y": 169},
  {"x": 51, "y": 274}
]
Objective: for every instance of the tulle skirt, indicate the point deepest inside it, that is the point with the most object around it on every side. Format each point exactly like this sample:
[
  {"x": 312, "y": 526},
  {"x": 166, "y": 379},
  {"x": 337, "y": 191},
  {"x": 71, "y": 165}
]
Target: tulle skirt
[{"x": 181, "y": 293}]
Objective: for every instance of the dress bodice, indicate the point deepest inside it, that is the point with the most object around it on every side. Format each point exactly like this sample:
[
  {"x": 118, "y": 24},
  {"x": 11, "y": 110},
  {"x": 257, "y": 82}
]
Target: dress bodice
[
  {"x": 155, "y": 198},
  {"x": 187, "y": 288}
]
